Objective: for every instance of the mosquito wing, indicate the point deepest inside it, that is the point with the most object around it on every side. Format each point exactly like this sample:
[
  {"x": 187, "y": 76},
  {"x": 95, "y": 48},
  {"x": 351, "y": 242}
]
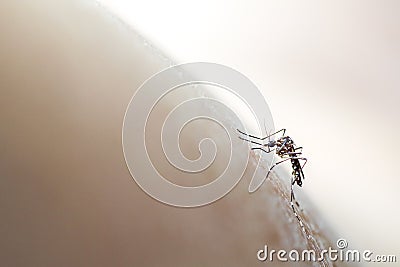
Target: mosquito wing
[{"x": 260, "y": 175}]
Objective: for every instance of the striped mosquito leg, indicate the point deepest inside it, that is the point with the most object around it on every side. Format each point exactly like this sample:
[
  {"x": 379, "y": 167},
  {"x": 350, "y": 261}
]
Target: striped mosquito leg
[{"x": 294, "y": 210}]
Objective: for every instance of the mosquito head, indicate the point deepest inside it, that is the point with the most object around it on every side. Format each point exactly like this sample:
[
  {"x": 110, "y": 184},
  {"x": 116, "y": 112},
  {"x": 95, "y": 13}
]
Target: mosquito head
[{"x": 271, "y": 143}]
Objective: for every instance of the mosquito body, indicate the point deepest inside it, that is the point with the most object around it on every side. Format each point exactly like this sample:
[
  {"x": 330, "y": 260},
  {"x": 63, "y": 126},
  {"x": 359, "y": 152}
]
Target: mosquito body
[{"x": 285, "y": 148}]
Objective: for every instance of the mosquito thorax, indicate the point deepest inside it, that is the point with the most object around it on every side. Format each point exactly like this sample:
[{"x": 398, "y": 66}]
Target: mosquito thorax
[{"x": 285, "y": 148}]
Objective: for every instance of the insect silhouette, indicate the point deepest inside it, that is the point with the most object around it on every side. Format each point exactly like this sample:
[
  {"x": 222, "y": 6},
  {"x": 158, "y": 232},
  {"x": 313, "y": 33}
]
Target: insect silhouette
[{"x": 286, "y": 149}]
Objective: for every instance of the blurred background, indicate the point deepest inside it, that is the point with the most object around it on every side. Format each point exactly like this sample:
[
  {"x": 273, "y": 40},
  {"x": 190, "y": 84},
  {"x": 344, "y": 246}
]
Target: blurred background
[{"x": 329, "y": 72}]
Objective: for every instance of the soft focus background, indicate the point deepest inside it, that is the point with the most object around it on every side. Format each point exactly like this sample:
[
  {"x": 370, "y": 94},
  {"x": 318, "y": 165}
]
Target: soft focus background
[
  {"x": 330, "y": 73},
  {"x": 68, "y": 71},
  {"x": 69, "y": 68}
]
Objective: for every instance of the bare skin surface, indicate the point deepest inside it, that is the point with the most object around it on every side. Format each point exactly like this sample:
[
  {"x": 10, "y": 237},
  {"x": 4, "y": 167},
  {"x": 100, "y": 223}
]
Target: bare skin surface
[{"x": 69, "y": 70}]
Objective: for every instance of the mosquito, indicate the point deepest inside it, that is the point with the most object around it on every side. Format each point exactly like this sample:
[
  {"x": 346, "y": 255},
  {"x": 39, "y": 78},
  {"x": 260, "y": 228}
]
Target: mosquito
[{"x": 286, "y": 149}]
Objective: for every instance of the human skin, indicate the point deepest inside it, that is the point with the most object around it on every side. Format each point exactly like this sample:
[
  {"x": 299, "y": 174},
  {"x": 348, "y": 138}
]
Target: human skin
[{"x": 68, "y": 71}]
